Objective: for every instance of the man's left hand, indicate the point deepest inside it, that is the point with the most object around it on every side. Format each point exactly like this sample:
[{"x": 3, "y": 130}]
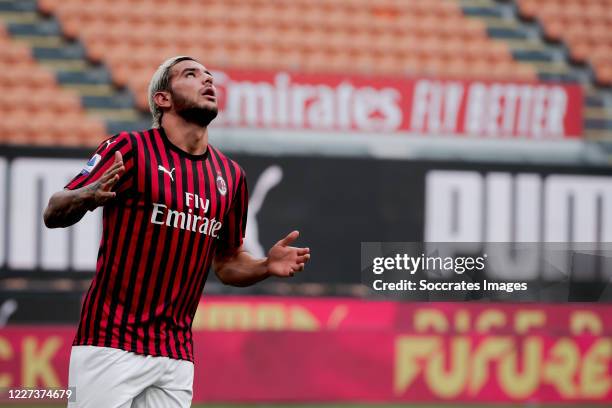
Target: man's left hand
[{"x": 285, "y": 260}]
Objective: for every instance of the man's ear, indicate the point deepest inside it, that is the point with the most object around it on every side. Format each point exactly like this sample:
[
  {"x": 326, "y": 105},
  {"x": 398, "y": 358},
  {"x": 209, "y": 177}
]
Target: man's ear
[{"x": 163, "y": 99}]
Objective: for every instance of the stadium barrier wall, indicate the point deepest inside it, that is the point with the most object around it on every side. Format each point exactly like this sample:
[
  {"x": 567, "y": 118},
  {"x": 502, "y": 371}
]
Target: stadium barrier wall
[
  {"x": 254, "y": 349},
  {"x": 344, "y": 201},
  {"x": 420, "y": 106}
]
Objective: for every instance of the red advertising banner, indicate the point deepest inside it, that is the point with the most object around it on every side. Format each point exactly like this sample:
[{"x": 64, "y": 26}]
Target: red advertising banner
[
  {"x": 422, "y": 352},
  {"x": 244, "y": 313},
  {"x": 423, "y": 106}
]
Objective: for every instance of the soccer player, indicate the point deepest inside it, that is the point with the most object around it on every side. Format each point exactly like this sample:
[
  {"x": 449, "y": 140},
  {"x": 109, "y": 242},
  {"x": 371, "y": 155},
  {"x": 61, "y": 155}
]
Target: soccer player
[{"x": 173, "y": 205}]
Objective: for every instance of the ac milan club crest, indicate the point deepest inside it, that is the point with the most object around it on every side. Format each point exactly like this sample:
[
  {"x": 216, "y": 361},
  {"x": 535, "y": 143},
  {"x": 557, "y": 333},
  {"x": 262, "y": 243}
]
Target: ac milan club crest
[{"x": 221, "y": 186}]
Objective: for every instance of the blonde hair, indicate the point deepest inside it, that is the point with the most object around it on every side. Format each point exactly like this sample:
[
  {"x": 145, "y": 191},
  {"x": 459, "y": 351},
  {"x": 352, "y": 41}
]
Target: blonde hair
[{"x": 161, "y": 82}]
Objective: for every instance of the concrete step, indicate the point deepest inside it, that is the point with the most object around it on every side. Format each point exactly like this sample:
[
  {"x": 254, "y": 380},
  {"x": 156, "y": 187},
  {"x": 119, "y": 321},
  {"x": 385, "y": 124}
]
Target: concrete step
[
  {"x": 65, "y": 65},
  {"x": 91, "y": 89},
  {"x": 598, "y": 113},
  {"x": 17, "y": 17},
  {"x": 115, "y": 115},
  {"x": 41, "y": 40}
]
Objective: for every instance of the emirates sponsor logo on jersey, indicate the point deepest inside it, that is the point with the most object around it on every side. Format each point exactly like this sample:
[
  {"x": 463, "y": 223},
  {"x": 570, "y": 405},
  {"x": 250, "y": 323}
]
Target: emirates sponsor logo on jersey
[{"x": 187, "y": 220}]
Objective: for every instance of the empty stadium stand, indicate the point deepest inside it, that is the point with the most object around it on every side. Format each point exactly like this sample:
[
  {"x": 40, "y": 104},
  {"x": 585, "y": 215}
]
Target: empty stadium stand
[
  {"x": 325, "y": 35},
  {"x": 584, "y": 27},
  {"x": 106, "y": 51},
  {"x": 35, "y": 110}
]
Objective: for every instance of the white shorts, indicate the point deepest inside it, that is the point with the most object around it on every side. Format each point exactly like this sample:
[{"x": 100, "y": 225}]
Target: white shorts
[{"x": 113, "y": 378}]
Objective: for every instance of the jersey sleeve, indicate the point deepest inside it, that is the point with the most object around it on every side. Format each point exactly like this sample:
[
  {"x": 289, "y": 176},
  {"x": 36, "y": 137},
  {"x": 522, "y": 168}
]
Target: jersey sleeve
[
  {"x": 236, "y": 219},
  {"x": 102, "y": 159}
]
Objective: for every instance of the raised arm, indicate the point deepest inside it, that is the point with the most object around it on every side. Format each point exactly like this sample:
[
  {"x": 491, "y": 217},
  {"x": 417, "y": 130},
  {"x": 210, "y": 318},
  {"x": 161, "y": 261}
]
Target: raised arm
[
  {"x": 236, "y": 267},
  {"x": 67, "y": 207}
]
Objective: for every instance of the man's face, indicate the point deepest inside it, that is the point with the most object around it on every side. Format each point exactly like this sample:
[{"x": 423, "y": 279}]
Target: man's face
[{"x": 193, "y": 93}]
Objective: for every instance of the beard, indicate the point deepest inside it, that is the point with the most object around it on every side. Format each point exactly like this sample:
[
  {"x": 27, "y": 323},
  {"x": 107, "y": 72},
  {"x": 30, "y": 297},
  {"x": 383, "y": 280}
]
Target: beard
[{"x": 191, "y": 112}]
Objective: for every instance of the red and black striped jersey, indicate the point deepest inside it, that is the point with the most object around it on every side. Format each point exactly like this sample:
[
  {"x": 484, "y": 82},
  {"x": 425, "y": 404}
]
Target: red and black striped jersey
[{"x": 172, "y": 212}]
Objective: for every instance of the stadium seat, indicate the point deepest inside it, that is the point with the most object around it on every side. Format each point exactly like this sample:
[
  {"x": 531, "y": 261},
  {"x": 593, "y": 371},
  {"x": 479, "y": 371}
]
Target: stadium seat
[
  {"x": 584, "y": 26},
  {"x": 603, "y": 74},
  {"x": 15, "y": 53},
  {"x": 25, "y": 74},
  {"x": 34, "y": 108}
]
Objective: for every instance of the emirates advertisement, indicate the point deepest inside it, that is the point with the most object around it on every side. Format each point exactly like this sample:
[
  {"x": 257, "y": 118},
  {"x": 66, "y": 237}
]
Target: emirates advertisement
[{"x": 424, "y": 107}]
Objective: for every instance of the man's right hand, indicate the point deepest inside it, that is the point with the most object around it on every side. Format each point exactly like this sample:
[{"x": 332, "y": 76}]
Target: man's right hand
[
  {"x": 67, "y": 207},
  {"x": 101, "y": 191}
]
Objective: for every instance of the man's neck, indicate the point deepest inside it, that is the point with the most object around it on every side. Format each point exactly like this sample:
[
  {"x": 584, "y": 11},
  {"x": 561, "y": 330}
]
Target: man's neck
[{"x": 187, "y": 136}]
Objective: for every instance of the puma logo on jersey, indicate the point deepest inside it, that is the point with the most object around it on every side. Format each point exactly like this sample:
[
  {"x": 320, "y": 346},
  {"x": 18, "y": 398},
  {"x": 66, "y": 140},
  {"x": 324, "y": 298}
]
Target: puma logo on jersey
[
  {"x": 108, "y": 143},
  {"x": 169, "y": 173}
]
